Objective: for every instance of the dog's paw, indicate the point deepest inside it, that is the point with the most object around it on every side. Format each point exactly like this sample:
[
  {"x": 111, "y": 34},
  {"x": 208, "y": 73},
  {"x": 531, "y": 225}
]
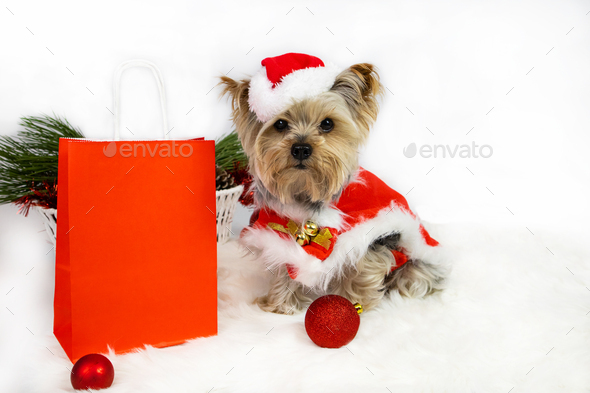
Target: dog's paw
[{"x": 283, "y": 308}]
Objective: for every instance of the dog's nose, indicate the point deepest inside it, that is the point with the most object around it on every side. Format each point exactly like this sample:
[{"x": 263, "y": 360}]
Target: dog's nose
[{"x": 301, "y": 151}]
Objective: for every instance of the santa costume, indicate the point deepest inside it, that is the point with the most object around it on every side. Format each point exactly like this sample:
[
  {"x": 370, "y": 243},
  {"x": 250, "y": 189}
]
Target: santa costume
[{"x": 340, "y": 234}]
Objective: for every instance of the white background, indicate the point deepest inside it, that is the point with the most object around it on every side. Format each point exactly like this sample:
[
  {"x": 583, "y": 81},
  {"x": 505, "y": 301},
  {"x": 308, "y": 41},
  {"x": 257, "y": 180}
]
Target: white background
[{"x": 445, "y": 66}]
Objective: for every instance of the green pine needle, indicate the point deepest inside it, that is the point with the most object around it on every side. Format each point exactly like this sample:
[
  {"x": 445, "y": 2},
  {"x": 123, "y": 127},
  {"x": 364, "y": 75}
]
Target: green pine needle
[
  {"x": 228, "y": 151},
  {"x": 31, "y": 157}
]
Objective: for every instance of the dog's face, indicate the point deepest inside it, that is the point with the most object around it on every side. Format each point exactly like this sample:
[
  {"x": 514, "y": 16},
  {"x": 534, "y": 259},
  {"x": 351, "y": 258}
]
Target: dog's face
[{"x": 308, "y": 153}]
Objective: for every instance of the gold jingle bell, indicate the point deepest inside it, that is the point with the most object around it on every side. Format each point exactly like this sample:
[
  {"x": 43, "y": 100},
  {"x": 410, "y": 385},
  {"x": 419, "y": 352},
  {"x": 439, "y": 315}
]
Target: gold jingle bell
[
  {"x": 301, "y": 238},
  {"x": 359, "y": 308},
  {"x": 311, "y": 228}
]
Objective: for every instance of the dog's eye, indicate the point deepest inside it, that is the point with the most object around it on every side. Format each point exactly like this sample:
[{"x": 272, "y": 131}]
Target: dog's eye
[
  {"x": 281, "y": 125},
  {"x": 327, "y": 125}
]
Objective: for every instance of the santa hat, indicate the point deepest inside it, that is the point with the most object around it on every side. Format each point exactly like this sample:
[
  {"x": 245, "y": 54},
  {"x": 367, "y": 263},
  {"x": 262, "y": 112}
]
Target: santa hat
[{"x": 286, "y": 79}]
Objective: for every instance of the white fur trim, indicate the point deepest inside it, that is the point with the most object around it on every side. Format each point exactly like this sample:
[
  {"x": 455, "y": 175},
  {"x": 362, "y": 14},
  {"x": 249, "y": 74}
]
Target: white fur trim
[
  {"x": 276, "y": 251},
  {"x": 350, "y": 246},
  {"x": 267, "y": 102},
  {"x": 329, "y": 217}
]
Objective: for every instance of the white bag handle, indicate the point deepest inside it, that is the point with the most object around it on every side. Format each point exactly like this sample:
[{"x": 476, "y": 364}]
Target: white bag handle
[{"x": 117, "y": 91}]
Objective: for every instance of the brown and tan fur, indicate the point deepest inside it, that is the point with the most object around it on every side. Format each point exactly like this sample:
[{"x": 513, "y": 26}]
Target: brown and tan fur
[{"x": 352, "y": 104}]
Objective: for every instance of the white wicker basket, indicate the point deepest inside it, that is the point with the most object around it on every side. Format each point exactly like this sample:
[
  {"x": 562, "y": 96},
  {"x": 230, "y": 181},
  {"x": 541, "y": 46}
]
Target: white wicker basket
[{"x": 226, "y": 206}]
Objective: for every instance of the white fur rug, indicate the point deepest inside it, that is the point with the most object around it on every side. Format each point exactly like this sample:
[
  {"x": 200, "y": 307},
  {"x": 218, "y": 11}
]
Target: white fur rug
[{"x": 513, "y": 319}]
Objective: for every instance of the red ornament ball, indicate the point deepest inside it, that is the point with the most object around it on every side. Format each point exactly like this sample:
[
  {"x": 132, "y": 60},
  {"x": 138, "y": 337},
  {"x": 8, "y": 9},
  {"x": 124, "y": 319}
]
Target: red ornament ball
[
  {"x": 332, "y": 321},
  {"x": 92, "y": 371}
]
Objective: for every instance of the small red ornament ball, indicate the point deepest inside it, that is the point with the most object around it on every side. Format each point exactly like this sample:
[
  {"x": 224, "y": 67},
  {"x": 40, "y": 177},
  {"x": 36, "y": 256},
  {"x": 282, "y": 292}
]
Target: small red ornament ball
[
  {"x": 332, "y": 321},
  {"x": 92, "y": 371}
]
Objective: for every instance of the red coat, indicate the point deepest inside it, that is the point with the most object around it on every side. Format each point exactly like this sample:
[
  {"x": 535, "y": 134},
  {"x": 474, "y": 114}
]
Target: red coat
[{"x": 367, "y": 210}]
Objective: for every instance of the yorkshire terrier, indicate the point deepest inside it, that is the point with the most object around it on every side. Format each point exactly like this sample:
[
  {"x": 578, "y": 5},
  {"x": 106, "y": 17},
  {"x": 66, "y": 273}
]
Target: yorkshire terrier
[{"x": 324, "y": 224}]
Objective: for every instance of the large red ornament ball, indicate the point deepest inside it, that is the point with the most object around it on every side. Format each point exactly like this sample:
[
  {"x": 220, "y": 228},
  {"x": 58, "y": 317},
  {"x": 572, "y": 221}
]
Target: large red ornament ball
[
  {"x": 332, "y": 321},
  {"x": 92, "y": 371}
]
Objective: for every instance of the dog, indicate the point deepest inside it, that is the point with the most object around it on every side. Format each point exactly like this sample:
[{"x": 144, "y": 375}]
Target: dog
[{"x": 324, "y": 224}]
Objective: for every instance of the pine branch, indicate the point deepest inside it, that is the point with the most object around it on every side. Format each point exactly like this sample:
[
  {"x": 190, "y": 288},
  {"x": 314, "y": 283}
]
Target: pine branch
[
  {"x": 30, "y": 159},
  {"x": 228, "y": 151}
]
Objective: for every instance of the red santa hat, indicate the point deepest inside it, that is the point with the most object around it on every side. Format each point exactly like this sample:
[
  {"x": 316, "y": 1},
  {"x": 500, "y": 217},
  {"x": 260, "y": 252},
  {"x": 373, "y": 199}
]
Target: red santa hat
[{"x": 286, "y": 79}]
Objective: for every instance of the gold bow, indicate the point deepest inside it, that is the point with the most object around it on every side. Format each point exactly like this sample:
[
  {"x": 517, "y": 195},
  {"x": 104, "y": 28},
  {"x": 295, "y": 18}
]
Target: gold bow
[{"x": 310, "y": 232}]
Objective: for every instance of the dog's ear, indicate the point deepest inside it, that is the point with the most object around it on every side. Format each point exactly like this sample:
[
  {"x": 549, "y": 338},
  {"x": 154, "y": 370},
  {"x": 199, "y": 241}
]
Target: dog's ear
[
  {"x": 360, "y": 87},
  {"x": 238, "y": 93},
  {"x": 246, "y": 122}
]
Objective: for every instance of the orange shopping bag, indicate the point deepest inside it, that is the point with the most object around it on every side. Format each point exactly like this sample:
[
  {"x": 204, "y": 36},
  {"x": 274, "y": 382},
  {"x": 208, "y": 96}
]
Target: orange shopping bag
[{"x": 136, "y": 241}]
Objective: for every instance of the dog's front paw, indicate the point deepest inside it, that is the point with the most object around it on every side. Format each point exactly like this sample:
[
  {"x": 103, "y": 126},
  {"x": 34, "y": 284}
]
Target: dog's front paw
[{"x": 266, "y": 304}]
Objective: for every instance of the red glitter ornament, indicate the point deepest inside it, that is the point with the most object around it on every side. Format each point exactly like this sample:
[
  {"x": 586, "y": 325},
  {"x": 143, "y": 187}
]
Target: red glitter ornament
[
  {"x": 332, "y": 321},
  {"x": 92, "y": 371}
]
